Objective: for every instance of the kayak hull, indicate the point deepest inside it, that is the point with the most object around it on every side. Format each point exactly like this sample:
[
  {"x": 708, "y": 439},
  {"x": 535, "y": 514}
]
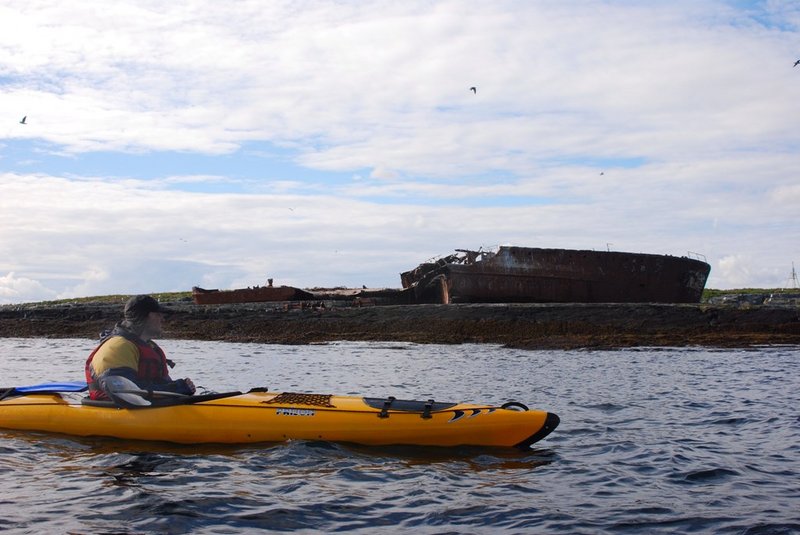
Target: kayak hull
[{"x": 264, "y": 417}]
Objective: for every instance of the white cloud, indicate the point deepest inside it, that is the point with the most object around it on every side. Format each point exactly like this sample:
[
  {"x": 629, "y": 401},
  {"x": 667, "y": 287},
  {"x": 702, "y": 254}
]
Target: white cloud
[
  {"x": 369, "y": 81},
  {"x": 14, "y": 289},
  {"x": 742, "y": 271},
  {"x": 787, "y": 196}
]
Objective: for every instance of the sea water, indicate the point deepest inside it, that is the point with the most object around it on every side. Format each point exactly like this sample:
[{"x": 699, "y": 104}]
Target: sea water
[{"x": 656, "y": 440}]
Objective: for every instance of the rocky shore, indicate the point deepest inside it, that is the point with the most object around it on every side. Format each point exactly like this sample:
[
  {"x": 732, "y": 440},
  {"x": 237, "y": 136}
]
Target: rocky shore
[{"x": 530, "y": 326}]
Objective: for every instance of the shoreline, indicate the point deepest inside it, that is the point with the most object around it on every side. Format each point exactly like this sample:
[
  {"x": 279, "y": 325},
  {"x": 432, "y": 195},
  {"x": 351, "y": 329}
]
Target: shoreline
[{"x": 524, "y": 326}]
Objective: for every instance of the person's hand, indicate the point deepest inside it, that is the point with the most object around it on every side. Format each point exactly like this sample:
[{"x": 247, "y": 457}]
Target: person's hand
[{"x": 190, "y": 384}]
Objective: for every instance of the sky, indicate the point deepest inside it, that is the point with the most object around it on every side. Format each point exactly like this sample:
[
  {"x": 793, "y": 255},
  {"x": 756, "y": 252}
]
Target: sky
[{"x": 335, "y": 143}]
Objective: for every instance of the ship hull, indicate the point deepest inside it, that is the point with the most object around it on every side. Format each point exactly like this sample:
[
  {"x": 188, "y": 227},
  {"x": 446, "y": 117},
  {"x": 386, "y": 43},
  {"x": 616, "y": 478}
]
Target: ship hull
[
  {"x": 533, "y": 275},
  {"x": 248, "y": 295}
]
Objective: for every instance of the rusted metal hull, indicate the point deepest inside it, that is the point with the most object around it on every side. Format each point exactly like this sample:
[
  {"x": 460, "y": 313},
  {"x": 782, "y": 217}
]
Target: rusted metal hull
[
  {"x": 313, "y": 297},
  {"x": 248, "y": 295},
  {"x": 533, "y": 275}
]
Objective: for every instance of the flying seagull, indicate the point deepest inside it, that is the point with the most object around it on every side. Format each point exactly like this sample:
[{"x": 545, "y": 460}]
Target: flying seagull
[
  {"x": 23, "y": 120},
  {"x": 796, "y": 63},
  {"x": 474, "y": 90}
]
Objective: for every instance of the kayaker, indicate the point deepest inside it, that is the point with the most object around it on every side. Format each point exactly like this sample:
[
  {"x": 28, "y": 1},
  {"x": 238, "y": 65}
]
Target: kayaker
[{"x": 129, "y": 351}]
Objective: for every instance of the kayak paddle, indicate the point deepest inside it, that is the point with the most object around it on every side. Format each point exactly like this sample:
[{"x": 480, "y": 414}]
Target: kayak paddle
[{"x": 125, "y": 393}]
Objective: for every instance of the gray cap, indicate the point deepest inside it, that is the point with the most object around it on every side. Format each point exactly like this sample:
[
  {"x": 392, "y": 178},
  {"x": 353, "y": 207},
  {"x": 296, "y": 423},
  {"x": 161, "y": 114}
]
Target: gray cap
[{"x": 139, "y": 306}]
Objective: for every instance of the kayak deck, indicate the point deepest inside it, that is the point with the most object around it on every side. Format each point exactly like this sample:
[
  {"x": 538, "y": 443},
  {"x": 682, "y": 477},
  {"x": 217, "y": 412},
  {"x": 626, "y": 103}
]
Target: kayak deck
[{"x": 259, "y": 416}]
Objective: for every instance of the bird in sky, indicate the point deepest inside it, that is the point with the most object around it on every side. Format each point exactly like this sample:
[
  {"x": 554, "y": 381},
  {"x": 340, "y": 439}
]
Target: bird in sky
[
  {"x": 474, "y": 90},
  {"x": 23, "y": 120},
  {"x": 796, "y": 63}
]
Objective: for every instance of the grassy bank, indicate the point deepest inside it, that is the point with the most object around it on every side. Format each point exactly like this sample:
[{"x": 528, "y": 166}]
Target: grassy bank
[{"x": 117, "y": 298}]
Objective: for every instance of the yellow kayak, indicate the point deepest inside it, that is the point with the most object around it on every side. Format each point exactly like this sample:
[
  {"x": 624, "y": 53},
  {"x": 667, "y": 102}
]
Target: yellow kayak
[{"x": 262, "y": 416}]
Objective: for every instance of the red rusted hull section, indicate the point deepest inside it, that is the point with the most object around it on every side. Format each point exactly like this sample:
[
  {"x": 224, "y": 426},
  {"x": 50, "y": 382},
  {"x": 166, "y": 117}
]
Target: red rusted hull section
[
  {"x": 248, "y": 295},
  {"x": 533, "y": 275},
  {"x": 309, "y": 298}
]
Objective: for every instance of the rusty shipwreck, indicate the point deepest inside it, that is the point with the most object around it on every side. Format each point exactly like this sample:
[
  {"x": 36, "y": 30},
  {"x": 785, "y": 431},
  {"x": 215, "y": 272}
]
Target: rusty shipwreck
[
  {"x": 313, "y": 297},
  {"x": 254, "y": 294},
  {"x": 534, "y": 275}
]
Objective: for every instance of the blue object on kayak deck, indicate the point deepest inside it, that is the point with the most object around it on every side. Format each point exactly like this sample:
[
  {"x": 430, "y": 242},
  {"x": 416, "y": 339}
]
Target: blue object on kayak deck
[{"x": 69, "y": 386}]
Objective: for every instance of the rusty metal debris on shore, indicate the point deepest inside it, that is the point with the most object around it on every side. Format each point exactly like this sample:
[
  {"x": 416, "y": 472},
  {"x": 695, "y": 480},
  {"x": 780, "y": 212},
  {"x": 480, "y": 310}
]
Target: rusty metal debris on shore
[{"x": 510, "y": 275}]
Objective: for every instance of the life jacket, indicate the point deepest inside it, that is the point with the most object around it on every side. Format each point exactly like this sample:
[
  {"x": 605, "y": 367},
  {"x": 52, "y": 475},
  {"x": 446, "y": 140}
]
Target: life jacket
[{"x": 152, "y": 362}]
